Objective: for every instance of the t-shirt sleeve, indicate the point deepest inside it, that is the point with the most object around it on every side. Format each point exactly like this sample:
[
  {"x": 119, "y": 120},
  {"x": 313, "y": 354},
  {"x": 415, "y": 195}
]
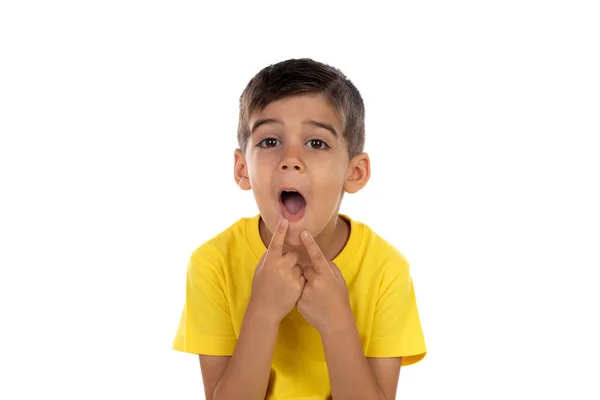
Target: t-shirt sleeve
[
  {"x": 206, "y": 326},
  {"x": 397, "y": 328}
]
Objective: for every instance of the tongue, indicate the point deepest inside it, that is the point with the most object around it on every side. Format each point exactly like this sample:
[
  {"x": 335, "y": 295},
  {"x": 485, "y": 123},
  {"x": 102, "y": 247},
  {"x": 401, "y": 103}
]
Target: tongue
[{"x": 293, "y": 202}]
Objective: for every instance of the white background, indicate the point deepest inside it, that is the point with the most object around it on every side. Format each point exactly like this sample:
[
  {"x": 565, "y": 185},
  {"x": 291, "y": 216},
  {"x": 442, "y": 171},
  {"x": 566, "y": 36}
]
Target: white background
[{"x": 118, "y": 123}]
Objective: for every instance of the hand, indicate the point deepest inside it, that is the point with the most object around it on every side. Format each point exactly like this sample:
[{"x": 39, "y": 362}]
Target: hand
[
  {"x": 324, "y": 302},
  {"x": 278, "y": 279}
]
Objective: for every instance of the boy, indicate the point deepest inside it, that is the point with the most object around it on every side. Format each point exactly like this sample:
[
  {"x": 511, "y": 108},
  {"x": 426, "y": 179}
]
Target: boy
[{"x": 300, "y": 302}]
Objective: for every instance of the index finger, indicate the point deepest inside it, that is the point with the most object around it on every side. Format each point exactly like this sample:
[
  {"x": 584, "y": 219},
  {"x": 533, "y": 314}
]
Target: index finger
[
  {"x": 275, "y": 249},
  {"x": 314, "y": 251}
]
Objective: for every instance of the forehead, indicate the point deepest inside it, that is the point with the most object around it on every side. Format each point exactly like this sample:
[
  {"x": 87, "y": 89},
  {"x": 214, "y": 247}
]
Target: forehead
[{"x": 299, "y": 108}]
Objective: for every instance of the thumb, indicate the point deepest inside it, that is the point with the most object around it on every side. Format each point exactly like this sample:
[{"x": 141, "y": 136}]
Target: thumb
[
  {"x": 309, "y": 272},
  {"x": 303, "y": 284}
]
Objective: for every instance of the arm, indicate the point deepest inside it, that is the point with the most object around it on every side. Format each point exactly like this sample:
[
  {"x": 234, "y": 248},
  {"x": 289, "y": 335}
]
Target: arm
[
  {"x": 325, "y": 305},
  {"x": 244, "y": 375},
  {"x": 352, "y": 376},
  {"x": 387, "y": 374},
  {"x": 276, "y": 286}
]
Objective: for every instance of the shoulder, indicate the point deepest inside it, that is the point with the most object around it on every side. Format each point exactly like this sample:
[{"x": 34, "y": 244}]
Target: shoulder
[
  {"x": 379, "y": 251},
  {"x": 215, "y": 250}
]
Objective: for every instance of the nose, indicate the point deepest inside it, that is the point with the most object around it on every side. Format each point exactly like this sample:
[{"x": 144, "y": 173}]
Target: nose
[
  {"x": 290, "y": 165},
  {"x": 290, "y": 161}
]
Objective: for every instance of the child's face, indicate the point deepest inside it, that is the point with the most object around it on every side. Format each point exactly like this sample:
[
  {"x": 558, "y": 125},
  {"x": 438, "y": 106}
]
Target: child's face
[{"x": 297, "y": 145}]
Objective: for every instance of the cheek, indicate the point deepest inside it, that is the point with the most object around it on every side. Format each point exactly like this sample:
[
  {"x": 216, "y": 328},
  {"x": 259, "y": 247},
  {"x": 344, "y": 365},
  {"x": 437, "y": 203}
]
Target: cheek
[
  {"x": 333, "y": 172},
  {"x": 259, "y": 171},
  {"x": 331, "y": 180}
]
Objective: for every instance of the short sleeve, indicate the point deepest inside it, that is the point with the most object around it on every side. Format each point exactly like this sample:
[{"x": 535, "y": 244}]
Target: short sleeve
[
  {"x": 205, "y": 326},
  {"x": 397, "y": 329}
]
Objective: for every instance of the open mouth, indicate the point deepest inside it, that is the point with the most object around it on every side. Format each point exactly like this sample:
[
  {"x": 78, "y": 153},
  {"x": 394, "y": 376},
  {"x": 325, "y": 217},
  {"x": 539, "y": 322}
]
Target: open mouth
[{"x": 293, "y": 202}]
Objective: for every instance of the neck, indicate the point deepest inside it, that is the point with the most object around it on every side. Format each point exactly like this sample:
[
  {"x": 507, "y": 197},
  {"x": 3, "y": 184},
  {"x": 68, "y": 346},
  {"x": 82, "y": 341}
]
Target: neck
[{"x": 331, "y": 240}]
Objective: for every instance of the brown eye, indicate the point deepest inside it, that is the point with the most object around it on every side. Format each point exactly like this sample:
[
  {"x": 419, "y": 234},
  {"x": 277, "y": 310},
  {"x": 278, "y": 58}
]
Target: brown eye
[
  {"x": 317, "y": 144},
  {"x": 269, "y": 142}
]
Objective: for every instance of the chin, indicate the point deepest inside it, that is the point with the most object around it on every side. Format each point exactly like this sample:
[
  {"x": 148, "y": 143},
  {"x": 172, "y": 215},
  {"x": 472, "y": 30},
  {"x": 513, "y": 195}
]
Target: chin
[
  {"x": 294, "y": 242},
  {"x": 292, "y": 238}
]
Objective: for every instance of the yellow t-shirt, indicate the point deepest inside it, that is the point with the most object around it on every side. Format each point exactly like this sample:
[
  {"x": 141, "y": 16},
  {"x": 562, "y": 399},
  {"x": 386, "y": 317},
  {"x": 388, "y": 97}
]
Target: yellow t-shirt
[{"x": 382, "y": 297}]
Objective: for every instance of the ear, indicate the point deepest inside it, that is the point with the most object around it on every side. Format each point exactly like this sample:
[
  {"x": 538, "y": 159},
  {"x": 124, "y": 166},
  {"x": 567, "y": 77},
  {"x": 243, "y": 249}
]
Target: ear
[
  {"x": 358, "y": 173},
  {"x": 240, "y": 170}
]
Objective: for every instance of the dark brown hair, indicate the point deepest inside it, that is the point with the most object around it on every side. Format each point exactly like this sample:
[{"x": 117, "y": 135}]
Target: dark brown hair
[{"x": 305, "y": 76}]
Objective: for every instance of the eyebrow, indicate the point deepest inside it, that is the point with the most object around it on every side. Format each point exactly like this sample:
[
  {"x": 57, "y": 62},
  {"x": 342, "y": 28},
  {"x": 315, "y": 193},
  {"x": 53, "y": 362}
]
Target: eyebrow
[{"x": 317, "y": 124}]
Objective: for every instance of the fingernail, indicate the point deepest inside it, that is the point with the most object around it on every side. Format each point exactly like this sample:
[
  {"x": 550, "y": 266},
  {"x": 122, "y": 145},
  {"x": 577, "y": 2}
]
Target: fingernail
[
  {"x": 283, "y": 223},
  {"x": 305, "y": 234}
]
